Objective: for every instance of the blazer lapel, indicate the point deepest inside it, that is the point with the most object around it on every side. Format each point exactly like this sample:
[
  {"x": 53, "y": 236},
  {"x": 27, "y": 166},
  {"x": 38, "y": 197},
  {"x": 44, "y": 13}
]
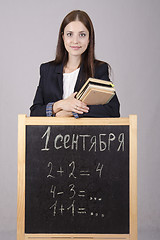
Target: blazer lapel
[
  {"x": 80, "y": 80},
  {"x": 59, "y": 73}
]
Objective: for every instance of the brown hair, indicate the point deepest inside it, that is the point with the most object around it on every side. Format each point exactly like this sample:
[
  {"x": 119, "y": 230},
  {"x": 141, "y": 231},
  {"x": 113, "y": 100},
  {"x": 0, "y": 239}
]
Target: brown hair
[{"x": 88, "y": 57}]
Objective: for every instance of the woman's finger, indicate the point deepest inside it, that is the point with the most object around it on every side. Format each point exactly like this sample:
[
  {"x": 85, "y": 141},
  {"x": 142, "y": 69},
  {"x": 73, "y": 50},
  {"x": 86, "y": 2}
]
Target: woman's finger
[{"x": 80, "y": 110}]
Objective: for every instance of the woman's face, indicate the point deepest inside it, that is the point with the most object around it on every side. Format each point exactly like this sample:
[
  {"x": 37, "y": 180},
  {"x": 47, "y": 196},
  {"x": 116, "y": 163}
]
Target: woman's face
[{"x": 76, "y": 38}]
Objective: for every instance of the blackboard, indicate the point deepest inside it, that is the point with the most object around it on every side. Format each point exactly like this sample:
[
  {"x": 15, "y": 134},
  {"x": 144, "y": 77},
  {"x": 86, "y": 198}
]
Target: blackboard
[{"x": 77, "y": 178}]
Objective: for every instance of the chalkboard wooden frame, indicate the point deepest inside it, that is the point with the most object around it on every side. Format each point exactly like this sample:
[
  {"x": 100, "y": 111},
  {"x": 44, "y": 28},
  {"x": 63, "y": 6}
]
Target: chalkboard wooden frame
[{"x": 23, "y": 121}]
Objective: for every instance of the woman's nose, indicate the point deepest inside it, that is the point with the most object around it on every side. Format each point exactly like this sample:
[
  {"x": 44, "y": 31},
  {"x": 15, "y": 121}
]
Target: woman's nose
[{"x": 75, "y": 39}]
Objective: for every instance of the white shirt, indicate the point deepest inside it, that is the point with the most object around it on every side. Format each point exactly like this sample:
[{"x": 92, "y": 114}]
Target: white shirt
[{"x": 69, "y": 82}]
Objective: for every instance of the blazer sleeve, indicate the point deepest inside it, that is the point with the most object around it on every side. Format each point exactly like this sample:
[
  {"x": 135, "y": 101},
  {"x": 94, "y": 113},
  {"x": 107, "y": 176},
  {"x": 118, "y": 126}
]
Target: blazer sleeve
[
  {"x": 111, "y": 109},
  {"x": 39, "y": 107}
]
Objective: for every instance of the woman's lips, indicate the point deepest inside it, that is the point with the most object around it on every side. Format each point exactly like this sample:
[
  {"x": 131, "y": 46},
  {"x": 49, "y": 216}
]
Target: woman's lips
[{"x": 75, "y": 47}]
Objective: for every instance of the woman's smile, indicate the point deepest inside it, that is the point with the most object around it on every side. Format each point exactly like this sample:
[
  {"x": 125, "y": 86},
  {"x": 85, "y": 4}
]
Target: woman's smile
[{"x": 75, "y": 47}]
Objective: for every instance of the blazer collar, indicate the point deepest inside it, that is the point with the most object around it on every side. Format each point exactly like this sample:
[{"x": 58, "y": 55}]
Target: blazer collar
[{"x": 59, "y": 68}]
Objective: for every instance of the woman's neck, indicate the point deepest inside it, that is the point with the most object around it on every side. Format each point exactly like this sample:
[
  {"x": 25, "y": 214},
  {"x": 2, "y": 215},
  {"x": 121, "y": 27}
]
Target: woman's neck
[{"x": 72, "y": 64}]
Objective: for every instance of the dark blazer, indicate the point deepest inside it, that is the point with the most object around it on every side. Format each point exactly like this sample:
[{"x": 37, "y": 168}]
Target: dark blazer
[{"x": 50, "y": 89}]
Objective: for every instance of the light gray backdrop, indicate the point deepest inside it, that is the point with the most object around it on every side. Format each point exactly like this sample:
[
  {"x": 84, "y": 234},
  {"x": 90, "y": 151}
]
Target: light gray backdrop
[{"x": 128, "y": 37}]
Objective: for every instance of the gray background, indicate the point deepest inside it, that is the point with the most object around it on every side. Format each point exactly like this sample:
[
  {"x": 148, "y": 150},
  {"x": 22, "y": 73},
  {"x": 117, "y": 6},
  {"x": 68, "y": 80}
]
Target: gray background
[{"x": 128, "y": 37}]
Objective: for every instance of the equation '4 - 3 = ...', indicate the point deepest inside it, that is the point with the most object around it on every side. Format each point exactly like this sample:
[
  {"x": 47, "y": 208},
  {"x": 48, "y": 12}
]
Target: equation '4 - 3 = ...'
[
  {"x": 71, "y": 192},
  {"x": 72, "y": 171},
  {"x": 60, "y": 209}
]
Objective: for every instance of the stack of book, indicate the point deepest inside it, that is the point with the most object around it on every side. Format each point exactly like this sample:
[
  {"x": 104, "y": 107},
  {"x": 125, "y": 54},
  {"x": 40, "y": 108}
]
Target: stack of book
[{"x": 96, "y": 91}]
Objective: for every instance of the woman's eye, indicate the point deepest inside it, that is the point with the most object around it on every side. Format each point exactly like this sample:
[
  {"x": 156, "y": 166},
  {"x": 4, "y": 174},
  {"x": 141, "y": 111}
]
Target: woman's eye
[
  {"x": 69, "y": 34},
  {"x": 82, "y": 35}
]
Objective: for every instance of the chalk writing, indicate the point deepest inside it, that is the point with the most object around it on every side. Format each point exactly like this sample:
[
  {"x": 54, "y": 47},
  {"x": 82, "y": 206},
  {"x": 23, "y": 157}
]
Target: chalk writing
[
  {"x": 72, "y": 164},
  {"x": 85, "y": 142},
  {"x": 72, "y": 168},
  {"x": 54, "y": 206},
  {"x": 47, "y": 134},
  {"x": 53, "y": 191},
  {"x": 99, "y": 169},
  {"x": 50, "y": 165},
  {"x": 71, "y": 191},
  {"x": 72, "y": 207}
]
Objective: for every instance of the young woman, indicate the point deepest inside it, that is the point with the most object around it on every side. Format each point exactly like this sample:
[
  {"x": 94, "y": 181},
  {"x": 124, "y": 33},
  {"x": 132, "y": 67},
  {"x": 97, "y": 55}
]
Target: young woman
[{"x": 74, "y": 63}]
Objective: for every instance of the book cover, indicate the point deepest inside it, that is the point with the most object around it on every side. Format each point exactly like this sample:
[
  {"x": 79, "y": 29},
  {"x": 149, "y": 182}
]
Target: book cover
[{"x": 96, "y": 91}]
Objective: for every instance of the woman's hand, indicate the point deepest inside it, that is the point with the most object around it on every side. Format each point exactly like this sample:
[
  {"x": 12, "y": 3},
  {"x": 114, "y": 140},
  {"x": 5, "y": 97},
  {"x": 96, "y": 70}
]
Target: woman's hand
[
  {"x": 64, "y": 113},
  {"x": 70, "y": 104}
]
